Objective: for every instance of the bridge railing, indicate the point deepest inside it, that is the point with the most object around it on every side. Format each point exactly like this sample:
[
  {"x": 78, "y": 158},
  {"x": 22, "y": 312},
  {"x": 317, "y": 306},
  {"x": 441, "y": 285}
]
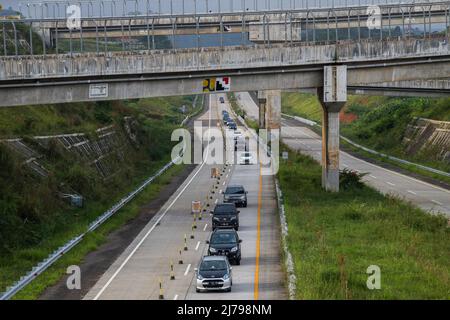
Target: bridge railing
[
  {"x": 129, "y": 8},
  {"x": 154, "y": 32}
]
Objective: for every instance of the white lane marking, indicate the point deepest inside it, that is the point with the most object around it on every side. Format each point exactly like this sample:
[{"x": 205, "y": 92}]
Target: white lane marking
[
  {"x": 198, "y": 244},
  {"x": 206, "y": 225},
  {"x": 437, "y": 202},
  {"x": 176, "y": 297},
  {"x": 390, "y": 183},
  {"x": 372, "y": 176},
  {"x": 217, "y": 200},
  {"x": 399, "y": 174},
  {"x": 220, "y": 191},
  {"x": 187, "y": 269},
  {"x": 158, "y": 220},
  {"x": 223, "y": 183},
  {"x": 226, "y": 176},
  {"x": 412, "y": 192}
]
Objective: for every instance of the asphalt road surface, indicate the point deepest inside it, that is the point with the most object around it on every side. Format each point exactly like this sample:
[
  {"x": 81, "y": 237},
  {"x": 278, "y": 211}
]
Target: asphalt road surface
[{"x": 140, "y": 269}]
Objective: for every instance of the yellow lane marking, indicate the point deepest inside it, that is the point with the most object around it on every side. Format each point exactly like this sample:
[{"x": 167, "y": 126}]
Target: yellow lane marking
[{"x": 258, "y": 237}]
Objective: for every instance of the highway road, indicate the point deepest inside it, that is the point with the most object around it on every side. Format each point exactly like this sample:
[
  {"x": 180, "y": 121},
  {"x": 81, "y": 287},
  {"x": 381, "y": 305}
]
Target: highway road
[
  {"x": 138, "y": 271},
  {"x": 422, "y": 194}
]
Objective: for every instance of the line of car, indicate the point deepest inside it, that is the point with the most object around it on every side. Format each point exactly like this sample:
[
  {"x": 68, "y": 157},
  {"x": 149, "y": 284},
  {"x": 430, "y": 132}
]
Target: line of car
[{"x": 214, "y": 272}]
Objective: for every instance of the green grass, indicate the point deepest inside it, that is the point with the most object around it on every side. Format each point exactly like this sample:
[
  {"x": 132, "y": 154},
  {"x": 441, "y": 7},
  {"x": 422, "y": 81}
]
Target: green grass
[
  {"x": 302, "y": 105},
  {"x": 91, "y": 242},
  {"x": 241, "y": 112},
  {"x": 334, "y": 238}
]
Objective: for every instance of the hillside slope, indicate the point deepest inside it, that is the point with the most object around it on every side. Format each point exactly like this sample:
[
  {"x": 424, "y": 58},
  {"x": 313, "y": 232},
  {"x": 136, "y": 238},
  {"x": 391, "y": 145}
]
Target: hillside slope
[
  {"x": 381, "y": 123},
  {"x": 100, "y": 151}
]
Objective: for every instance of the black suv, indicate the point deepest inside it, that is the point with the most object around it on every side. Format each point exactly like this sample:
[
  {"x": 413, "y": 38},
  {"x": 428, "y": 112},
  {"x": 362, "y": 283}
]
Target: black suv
[
  {"x": 235, "y": 194},
  {"x": 225, "y": 242},
  {"x": 225, "y": 215}
]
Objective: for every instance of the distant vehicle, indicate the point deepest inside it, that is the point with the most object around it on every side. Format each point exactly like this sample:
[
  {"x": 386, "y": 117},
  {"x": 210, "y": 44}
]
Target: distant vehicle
[
  {"x": 235, "y": 194},
  {"x": 246, "y": 158},
  {"x": 214, "y": 274},
  {"x": 237, "y": 134},
  {"x": 232, "y": 125},
  {"x": 222, "y": 100},
  {"x": 225, "y": 215},
  {"x": 225, "y": 242},
  {"x": 224, "y": 112},
  {"x": 240, "y": 144}
]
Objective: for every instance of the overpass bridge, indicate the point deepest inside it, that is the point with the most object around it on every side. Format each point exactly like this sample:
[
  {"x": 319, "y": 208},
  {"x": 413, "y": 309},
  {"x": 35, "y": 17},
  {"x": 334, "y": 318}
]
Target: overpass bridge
[{"x": 411, "y": 63}]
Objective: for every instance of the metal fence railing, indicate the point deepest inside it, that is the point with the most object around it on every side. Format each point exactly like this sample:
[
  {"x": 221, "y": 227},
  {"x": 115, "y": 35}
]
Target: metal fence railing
[{"x": 151, "y": 31}]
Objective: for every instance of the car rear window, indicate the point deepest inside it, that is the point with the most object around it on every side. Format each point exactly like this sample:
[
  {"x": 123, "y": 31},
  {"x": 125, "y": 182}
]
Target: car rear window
[
  {"x": 234, "y": 190},
  {"x": 223, "y": 238},
  {"x": 225, "y": 209},
  {"x": 213, "y": 265}
]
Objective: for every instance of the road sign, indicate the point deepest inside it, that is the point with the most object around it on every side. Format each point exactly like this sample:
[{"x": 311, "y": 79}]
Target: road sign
[
  {"x": 220, "y": 84},
  {"x": 98, "y": 91}
]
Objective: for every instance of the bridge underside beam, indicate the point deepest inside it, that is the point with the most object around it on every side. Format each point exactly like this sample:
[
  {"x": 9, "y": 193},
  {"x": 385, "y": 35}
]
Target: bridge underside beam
[{"x": 64, "y": 90}]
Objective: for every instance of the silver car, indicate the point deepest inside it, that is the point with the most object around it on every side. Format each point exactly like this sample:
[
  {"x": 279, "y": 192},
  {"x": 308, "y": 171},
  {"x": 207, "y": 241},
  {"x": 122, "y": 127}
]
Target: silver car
[{"x": 214, "y": 274}]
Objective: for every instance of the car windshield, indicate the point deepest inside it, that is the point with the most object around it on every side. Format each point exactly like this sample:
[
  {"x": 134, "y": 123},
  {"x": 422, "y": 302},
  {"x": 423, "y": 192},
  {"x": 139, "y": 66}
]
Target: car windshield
[
  {"x": 223, "y": 238},
  {"x": 213, "y": 265},
  {"x": 225, "y": 209},
  {"x": 234, "y": 190}
]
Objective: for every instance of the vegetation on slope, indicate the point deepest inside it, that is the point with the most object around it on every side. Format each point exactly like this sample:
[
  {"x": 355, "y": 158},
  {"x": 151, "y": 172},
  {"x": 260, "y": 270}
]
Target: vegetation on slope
[
  {"x": 377, "y": 122},
  {"x": 334, "y": 238},
  {"x": 34, "y": 220}
]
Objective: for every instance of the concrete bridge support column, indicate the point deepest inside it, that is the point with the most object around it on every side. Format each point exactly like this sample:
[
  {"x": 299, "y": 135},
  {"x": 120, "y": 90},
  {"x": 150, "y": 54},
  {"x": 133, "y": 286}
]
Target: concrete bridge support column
[
  {"x": 262, "y": 101},
  {"x": 273, "y": 109},
  {"x": 333, "y": 97}
]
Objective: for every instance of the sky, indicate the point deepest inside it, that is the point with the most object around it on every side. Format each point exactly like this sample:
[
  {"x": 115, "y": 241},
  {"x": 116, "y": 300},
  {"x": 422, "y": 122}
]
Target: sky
[{"x": 177, "y": 5}]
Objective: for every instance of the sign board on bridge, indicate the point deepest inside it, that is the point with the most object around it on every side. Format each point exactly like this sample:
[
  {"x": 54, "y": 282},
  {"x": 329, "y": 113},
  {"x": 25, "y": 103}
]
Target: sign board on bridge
[
  {"x": 220, "y": 84},
  {"x": 97, "y": 91}
]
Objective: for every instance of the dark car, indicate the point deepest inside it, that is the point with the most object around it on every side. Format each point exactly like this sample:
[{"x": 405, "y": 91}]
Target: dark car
[
  {"x": 235, "y": 194},
  {"x": 222, "y": 100},
  {"x": 232, "y": 125},
  {"x": 225, "y": 215},
  {"x": 225, "y": 242}
]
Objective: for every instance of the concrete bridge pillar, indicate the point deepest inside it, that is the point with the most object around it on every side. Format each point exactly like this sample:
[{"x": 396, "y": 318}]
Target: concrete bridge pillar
[
  {"x": 333, "y": 97},
  {"x": 262, "y": 109},
  {"x": 273, "y": 109}
]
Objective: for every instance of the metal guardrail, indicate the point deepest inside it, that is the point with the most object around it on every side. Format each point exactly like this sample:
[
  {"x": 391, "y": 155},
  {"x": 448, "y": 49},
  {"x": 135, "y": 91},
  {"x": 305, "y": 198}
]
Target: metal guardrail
[
  {"x": 432, "y": 170},
  {"x": 52, "y": 258}
]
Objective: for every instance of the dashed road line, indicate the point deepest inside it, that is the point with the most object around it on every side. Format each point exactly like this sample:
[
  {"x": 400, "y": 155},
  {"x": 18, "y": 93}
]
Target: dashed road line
[
  {"x": 437, "y": 202},
  {"x": 390, "y": 183},
  {"x": 206, "y": 225},
  {"x": 187, "y": 269},
  {"x": 176, "y": 297},
  {"x": 412, "y": 192},
  {"x": 196, "y": 247}
]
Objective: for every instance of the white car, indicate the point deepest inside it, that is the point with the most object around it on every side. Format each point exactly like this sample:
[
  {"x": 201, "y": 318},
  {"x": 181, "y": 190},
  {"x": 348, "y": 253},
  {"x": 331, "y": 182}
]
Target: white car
[
  {"x": 246, "y": 158},
  {"x": 214, "y": 274}
]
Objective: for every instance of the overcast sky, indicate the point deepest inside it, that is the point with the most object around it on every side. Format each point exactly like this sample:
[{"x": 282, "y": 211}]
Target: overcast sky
[{"x": 177, "y": 7}]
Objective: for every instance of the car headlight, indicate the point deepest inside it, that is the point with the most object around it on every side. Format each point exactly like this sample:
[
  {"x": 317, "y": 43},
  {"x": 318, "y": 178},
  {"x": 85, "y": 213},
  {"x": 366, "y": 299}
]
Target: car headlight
[
  {"x": 242, "y": 198},
  {"x": 234, "y": 249},
  {"x": 212, "y": 250},
  {"x": 199, "y": 277},
  {"x": 226, "y": 276},
  {"x": 233, "y": 218},
  {"x": 216, "y": 219}
]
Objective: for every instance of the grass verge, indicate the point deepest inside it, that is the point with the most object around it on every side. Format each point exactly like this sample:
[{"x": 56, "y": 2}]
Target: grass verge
[
  {"x": 334, "y": 238},
  {"x": 91, "y": 242}
]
